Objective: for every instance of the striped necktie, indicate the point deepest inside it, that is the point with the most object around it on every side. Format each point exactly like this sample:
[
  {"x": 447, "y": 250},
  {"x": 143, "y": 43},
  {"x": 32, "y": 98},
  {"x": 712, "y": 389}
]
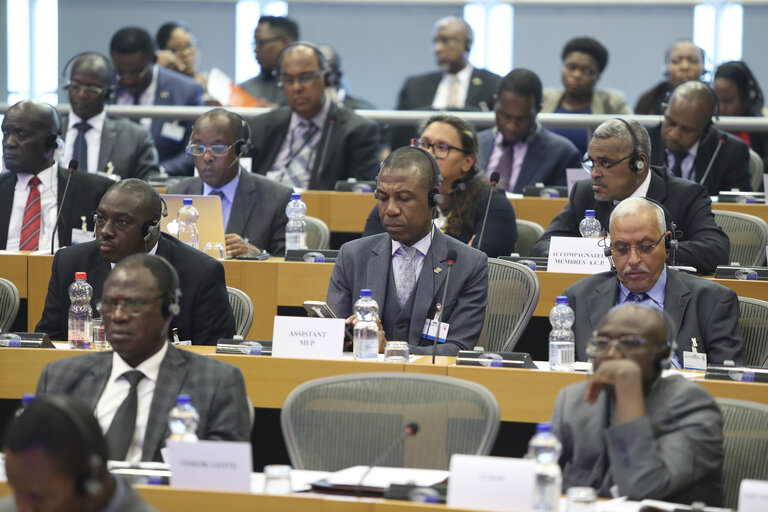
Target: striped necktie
[{"x": 30, "y": 225}]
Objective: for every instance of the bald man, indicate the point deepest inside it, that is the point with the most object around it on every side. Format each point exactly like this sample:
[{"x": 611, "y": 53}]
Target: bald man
[
  {"x": 33, "y": 189},
  {"x": 686, "y": 142}
]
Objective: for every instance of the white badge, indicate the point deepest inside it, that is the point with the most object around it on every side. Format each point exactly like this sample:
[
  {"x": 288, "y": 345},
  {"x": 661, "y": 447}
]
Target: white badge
[
  {"x": 80, "y": 236},
  {"x": 430, "y": 328},
  {"x": 694, "y": 361},
  {"x": 173, "y": 131}
]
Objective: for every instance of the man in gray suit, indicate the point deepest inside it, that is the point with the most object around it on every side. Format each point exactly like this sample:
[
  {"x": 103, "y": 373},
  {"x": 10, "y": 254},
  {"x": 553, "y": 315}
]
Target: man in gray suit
[
  {"x": 98, "y": 142},
  {"x": 703, "y": 314},
  {"x": 629, "y": 432},
  {"x": 56, "y": 459},
  {"x": 406, "y": 267},
  {"x": 132, "y": 389},
  {"x": 253, "y": 206}
]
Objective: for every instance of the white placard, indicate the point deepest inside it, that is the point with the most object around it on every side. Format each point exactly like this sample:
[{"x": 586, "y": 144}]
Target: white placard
[
  {"x": 308, "y": 338},
  {"x": 574, "y": 175},
  {"x": 211, "y": 465},
  {"x": 490, "y": 483},
  {"x": 753, "y": 496},
  {"x": 577, "y": 255}
]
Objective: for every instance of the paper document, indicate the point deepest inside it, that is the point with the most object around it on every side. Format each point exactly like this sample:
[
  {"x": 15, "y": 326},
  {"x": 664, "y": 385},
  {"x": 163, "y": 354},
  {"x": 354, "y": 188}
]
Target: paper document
[{"x": 382, "y": 478}]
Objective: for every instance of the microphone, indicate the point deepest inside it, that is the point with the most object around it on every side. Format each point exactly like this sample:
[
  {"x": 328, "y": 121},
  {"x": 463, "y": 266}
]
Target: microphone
[
  {"x": 494, "y": 181},
  {"x": 712, "y": 160},
  {"x": 410, "y": 430},
  {"x": 331, "y": 124},
  {"x": 72, "y": 168},
  {"x": 450, "y": 260}
]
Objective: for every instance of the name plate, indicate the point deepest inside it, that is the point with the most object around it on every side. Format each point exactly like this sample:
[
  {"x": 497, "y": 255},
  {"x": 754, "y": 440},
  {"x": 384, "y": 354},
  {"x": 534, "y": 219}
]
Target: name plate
[
  {"x": 577, "y": 255},
  {"x": 308, "y": 338},
  {"x": 490, "y": 483},
  {"x": 211, "y": 465},
  {"x": 753, "y": 496}
]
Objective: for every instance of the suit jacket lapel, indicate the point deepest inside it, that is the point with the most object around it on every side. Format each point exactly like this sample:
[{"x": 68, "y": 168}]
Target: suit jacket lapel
[
  {"x": 428, "y": 291},
  {"x": 169, "y": 381},
  {"x": 533, "y": 158},
  {"x": 376, "y": 280},
  {"x": 66, "y": 206},
  {"x": 7, "y": 190},
  {"x": 108, "y": 139},
  {"x": 93, "y": 383},
  {"x": 328, "y": 141},
  {"x": 676, "y": 298},
  {"x": 275, "y": 133},
  {"x": 602, "y": 298},
  {"x": 246, "y": 199}
]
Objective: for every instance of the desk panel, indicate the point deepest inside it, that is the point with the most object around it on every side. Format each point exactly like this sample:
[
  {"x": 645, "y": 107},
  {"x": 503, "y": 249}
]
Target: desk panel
[{"x": 13, "y": 267}]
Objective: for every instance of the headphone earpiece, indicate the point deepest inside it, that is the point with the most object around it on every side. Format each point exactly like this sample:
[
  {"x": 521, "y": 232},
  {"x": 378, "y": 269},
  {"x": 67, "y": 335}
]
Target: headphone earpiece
[
  {"x": 607, "y": 252},
  {"x": 51, "y": 142},
  {"x": 151, "y": 227}
]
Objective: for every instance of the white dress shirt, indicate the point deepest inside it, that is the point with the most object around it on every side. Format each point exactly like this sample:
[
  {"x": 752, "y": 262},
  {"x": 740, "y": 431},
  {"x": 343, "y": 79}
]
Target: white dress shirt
[
  {"x": 49, "y": 187},
  {"x": 146, "y": 98},
  {"x": 444, "y": 88},
  {"x": 92, "y": 138}
]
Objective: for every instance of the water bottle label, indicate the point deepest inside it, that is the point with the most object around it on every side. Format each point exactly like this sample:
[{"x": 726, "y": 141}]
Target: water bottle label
[{"x": 295, "y": 241}]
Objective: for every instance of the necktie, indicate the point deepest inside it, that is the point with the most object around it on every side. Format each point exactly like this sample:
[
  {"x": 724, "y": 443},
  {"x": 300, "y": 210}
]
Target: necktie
[
  {"x": 637, "y": 297},
  {"x": 453, "y": 93},
  {"x": 504, "y": 167},
  {"x": 80, "y": 152},
  {"x": 30, "y": 224},
  {"x": 677, "y": 169},
  {"x": 121, "y": 430},
  {"x": 297, "y": 171},
  {"x": 406, "y": 277}
]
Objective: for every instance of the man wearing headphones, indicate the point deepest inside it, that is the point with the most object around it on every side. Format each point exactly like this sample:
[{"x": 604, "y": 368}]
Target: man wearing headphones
[
  {"x": 628, "y": 432},
  {"x": 127, "y": 222},
  {"x": 406, "y": 267},
  {"x": 617, "y": 161},
  {"x": 101, "y": 143},
  {"x": 253, "y": 206},
  {"x": 693, "y": 148},
  {"x": 132, "y": 389},
  {"x": 521, "y": 150},
  {"x": 32, "y": 192},
  {"x": 312, "y": 143},
  {"x": 703, "y": 315}
]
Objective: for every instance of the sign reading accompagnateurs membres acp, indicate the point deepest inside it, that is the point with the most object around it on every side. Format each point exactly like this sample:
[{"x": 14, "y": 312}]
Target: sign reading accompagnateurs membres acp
[{"x": 577, "y": 255}]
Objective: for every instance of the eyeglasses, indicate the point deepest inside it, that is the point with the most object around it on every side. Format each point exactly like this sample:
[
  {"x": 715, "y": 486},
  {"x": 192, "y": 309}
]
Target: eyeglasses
[
  {"x": 302, "y": 79},
  {"x": 261, "y": 42},
  {"x": 622, "y": 249},
  {"x": 130, "y": 306},
  {"x": 89, "y": 90},
  {"x": 440, "y": 151},
  {"x": 588, "y": 72},
  {"x": 217, "y": 150},
  {"x": 588, "y": 165},
  {"x": 600, "y": 345}
]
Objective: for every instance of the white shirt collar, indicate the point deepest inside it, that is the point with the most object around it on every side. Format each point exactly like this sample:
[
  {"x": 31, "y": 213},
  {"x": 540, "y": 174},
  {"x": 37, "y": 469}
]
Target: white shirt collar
[
  {"x": 422, "y": 245},
  {"x": 229, "y": 189},
  {"x": 150, "y": 367},
  {"x": 642, "y": 190},
  {"x": 96, "y": 122},
  {"x": 152, "y": 251}
]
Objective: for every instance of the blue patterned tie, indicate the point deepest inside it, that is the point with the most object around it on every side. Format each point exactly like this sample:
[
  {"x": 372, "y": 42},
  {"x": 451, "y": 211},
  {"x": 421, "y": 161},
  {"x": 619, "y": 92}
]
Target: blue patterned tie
[
  {"x": 298, "y": 171},
  {"x": 637, "y": 297}
]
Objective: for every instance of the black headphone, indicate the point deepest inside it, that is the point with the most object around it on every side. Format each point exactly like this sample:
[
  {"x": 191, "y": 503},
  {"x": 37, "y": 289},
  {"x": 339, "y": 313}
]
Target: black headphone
[
  {"x": 171, "y": 304},
  {"x": 670, "y": 241},
  {"x": 110, "y": 91},
  {"x": 434, "y": 197},
  {"x": 152, "y": 227},
  {"x": 243, "y": 146},
  {"x": 636, "y": 162},
  {"x": 321, "y": 60}
]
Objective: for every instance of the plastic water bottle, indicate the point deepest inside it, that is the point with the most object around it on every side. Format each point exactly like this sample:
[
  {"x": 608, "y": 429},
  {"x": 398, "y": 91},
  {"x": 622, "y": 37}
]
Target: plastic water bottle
[
  {"x": 187, "y": 219},
  {"x": 26, "y": 399},
  {"x": 590, "y": 227},
  {"x": 366, "y": 335},
  {"x": 80, "y": 324},
  {"x": 561, "y": 338},
  {"x": 545, "y": 449},
  {"x": 296, "y": 229},
  {"x": 183, "y": 420}
]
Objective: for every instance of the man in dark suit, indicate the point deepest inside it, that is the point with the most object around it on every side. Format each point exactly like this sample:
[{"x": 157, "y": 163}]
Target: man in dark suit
[
  {"x": 521, "y": 150},
  {"x": 686, "y": 142},
  {"x": 141, "y": 297},
  {"x": 98, "y": 142},
  {"x": 457, "y": 86},
  {"x": 253, "y": 206},
  {"x": 618, "y": 162},
  {"x": 313, "y": 143},
  {"x": 272, "y": 35},
  {"x": 140, "y": 82},
  {"x": 127, "y": 222},
  {"x": 406, "y": 267},
  {"x": 703, "y": 315},
  {"x": 33, "y": 189}
]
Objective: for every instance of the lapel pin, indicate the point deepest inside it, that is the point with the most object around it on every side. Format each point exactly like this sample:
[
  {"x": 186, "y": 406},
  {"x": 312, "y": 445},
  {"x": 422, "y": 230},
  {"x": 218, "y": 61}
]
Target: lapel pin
[
  {"x": 110, "y": 168},
  {"x": 165, "y": 94},
  {"x": 438, "y": 270}
]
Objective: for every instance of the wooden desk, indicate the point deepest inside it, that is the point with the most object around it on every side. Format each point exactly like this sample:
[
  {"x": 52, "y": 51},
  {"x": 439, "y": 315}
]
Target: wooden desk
[{"x": 13, "y": 267}]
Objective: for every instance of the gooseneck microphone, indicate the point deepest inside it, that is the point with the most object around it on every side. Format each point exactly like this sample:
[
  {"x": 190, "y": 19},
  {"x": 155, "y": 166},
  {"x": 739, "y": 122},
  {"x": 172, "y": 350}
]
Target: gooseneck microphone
[
  {"x": 450, "y": 260},
  {"x": 72, "y": 168},
  {"x": 494, "y": 181},
  {"x": 712, "y": 160},
  {"x": 410, "y": 430}
]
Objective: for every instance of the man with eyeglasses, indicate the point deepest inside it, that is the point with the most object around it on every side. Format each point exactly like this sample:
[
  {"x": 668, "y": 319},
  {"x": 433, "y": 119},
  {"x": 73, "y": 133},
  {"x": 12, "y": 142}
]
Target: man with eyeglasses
[
  {"x": 618, "y": 163},
  {"x": 142, "y": 82},
  {"x": 132, "y": 389},
  {"x": 102, "y": 143},
  {"x": 703, "y": 315},
  {"x": 127, "y": 222},
  {"x": 253, "y": 206},
  {"x": 312, "y": 143},
  {"x": 521, "y": 150},
  {"x": 627, "y": 431},
  {"x": 272, "y": 35}
]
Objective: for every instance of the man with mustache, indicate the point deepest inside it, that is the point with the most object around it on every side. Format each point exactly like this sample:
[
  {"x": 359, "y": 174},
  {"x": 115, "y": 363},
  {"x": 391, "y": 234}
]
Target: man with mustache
[
  {"x": 618, "y": 163},
  {"x": 703, "y": 315}
]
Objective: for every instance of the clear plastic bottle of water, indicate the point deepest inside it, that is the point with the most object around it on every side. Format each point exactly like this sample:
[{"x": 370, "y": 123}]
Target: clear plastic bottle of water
[
  {"x": 545, "y": 449},
  {"x": 187, "y": 219},
  {"x": 590, "y": 227},
  {"x": 296, "y": 229},
  {"x": 80, "y": 325},
  {"x": 183, "y": 420},
  {"x": 366, "y": 335},
  {"x": 561, "y": 338}
]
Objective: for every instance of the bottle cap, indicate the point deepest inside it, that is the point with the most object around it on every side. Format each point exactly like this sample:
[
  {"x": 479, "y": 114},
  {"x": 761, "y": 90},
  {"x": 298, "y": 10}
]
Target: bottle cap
[
  {"x": 187, "y": 201},
  {"x": 295, "y": 197},
  {"x": 27, "y": 398},
  {"x": 182, "y": 399},
  {"x": 81, "y": 276},
  {"x": 543, "y": 427},
  {"x": 561, "y": 300},
  {"x": 589, "y": 213},
  {"x": 365, "y": 292}
]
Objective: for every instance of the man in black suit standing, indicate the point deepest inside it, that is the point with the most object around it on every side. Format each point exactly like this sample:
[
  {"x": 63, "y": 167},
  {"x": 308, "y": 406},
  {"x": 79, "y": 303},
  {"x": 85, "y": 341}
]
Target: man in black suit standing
[
  {"x": 253, "y": 206},
  {"x": 127, "y": 222},
  {"x": 91, "y": 136},
  {"x": 686, "y": 142},
  {"x": 33, "y": 190},
  {"x": 272, "y": 35},
  {"x": 457, "y": 86},
  {"x": 312, "y": 143}
]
